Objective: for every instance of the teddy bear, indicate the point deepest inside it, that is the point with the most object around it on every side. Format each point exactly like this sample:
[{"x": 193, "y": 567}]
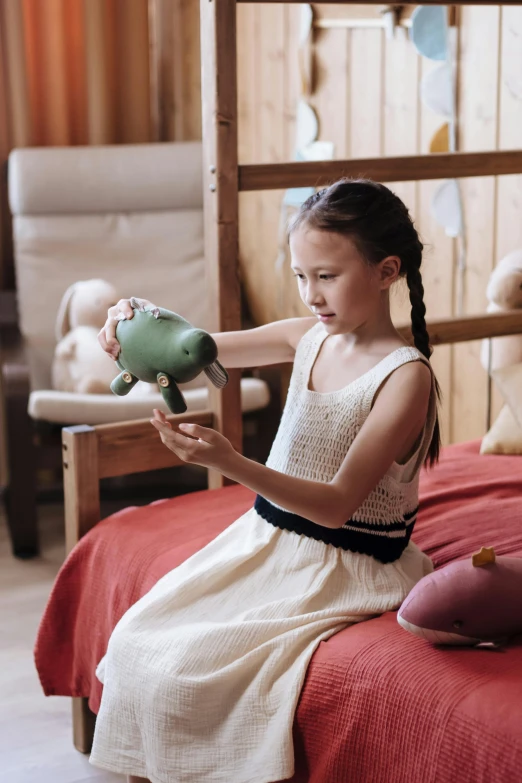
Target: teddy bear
[
  {"x": 504, "y": 292},
  {"x": 79, "y": 363}
]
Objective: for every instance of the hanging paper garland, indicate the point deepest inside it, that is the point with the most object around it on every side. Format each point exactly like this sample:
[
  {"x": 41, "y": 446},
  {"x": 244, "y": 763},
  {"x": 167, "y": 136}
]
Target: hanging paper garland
[
  {"x": 440, "y": 139},
  {"x": 437, "y": 90},
  {"x": 305, "y": 48},
  {"x": 428, "y": 31},
  {"x": 307, "y": 129},
  {"x": 431, "y": 37},
  {"x": 306, "y": 145},
  {"x": 305, "y": 23},
  {"x": 446, "y": 207},
  {"x": 294, "y": 197},
  {"x": 307, "y": 125}
]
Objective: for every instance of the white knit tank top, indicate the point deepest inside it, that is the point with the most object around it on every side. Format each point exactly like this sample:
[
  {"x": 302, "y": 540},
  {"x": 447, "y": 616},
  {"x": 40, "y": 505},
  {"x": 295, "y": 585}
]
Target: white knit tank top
[{"x": 314, "y": 436}]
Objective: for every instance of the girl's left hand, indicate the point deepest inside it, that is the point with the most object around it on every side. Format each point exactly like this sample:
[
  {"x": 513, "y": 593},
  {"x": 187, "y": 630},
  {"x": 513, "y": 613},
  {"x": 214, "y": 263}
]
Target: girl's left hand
[{"x": 199, "y": 446}]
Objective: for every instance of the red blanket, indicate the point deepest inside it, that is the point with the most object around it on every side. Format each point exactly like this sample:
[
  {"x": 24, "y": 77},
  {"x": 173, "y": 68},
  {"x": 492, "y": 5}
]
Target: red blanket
[{"x": 378, "y": 705}]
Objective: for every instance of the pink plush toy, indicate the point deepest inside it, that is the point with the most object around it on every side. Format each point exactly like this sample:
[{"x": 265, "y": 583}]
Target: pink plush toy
[{"x": 469, "y": 602}]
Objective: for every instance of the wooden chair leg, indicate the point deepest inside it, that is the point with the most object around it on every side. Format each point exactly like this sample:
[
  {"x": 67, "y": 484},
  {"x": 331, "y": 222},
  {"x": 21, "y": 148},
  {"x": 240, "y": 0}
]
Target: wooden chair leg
[
  {"x": 20, "y": 495},
  {"x": 83, "y": 725}
]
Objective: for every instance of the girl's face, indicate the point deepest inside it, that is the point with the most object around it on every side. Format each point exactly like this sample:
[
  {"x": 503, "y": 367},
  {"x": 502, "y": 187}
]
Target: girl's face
[{"x": 334, "y": 281}]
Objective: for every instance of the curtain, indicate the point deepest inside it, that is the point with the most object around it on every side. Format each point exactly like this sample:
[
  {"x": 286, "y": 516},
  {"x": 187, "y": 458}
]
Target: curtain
[
  {"x": 95, "y": 72},
  {"x": 71, "y": 72},
  {"x": 175, "y": 69}
]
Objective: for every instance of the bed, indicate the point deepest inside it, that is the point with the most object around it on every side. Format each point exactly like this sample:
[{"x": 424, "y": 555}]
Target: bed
[{"x": 378, "y": 705}]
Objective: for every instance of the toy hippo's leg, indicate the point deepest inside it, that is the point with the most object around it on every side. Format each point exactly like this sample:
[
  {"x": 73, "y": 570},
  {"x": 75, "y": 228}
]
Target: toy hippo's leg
[
  {"x": 171, "y": 394},
  {"x": 123, "y": 383}
]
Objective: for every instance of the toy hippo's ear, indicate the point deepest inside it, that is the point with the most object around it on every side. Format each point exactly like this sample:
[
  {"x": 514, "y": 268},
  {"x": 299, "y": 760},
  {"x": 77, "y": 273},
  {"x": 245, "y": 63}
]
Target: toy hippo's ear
[
  {"x": 62, "y": 325},
  {"x": 137, "y": 304},
  {"x": 217, "y": 374}
]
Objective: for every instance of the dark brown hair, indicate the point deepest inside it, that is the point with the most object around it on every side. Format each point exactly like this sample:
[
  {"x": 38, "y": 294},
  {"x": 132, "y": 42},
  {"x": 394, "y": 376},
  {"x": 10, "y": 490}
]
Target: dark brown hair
[{"x": 379, "y": 224}]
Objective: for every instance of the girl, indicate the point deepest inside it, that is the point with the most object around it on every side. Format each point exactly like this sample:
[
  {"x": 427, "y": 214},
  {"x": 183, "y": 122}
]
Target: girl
[{"x": 203, "y": 674}]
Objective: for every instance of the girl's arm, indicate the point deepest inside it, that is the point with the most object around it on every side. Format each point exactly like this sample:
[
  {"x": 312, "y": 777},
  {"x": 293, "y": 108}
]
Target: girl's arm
[
  {"x": 273, "y": 343},
  {"x": 388, "y": 435}
]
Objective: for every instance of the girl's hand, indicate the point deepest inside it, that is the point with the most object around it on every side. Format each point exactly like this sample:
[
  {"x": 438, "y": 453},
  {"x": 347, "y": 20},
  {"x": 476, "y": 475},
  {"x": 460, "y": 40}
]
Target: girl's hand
[
  {"x": 195, "y": 445},
  {"x": 119, "y": 312}
]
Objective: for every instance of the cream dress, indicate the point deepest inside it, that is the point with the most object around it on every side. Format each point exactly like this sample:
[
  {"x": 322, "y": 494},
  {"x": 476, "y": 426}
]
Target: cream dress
[{"x": 203, "y": 674}]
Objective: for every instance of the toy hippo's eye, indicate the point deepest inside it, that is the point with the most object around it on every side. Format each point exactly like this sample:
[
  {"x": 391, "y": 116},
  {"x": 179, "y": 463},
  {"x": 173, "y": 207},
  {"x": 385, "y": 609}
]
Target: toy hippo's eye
[
  {"x": 458, "y": 624},
  {"x": 185, "y": 350}
]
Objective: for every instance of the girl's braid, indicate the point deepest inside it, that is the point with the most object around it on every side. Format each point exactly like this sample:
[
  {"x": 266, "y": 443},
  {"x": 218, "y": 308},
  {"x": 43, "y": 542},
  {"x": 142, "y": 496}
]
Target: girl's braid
[{"x": 418, "y": 311}]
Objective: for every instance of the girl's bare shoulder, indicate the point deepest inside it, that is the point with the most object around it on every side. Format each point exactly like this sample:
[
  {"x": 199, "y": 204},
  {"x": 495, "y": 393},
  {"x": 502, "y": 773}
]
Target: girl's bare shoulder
[{"x": 296, "y": 328}]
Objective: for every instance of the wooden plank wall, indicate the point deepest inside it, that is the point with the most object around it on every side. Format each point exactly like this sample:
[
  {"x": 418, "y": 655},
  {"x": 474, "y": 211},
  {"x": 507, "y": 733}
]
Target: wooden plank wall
[{"x": 367, "y": 101}]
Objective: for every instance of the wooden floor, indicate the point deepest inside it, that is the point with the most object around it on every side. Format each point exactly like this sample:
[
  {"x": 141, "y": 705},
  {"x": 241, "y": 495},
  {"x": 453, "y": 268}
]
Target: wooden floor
[{"x": 35, "y": 731}]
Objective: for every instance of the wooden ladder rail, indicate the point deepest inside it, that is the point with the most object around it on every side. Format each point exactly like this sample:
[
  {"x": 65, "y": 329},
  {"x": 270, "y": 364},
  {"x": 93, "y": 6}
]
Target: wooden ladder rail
[{"x": 224, "y": 178}]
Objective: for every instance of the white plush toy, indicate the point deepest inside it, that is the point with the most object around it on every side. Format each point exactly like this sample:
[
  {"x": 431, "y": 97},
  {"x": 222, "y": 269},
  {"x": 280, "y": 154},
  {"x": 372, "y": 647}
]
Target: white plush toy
[
  {"x": 504, "y": 292},
  {"x": 80, "y": 364}
]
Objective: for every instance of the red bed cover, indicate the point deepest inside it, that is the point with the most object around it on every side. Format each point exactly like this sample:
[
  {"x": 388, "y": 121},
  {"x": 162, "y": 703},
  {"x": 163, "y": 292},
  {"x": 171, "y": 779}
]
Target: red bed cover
[{"x": 378, "y": 705}]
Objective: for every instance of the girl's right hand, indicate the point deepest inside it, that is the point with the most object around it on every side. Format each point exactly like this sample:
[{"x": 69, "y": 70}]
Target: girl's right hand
[{"x": 119, "y": 312}]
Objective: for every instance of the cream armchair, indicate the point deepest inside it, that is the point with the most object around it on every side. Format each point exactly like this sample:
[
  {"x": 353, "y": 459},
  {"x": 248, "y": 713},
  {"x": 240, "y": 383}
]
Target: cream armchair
[{"x": 132, "y": 215}]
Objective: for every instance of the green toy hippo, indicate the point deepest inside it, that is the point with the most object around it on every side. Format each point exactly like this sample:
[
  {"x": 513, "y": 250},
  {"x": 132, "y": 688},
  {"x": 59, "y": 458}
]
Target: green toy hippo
[{"x": 159, "y": 346}]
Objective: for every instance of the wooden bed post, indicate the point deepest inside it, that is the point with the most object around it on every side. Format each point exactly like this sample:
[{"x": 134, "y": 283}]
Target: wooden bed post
[
  {"x": 220, "y": 194},
  {"x": 81, "y": 485},
  {"x": 82, "y": 512}
]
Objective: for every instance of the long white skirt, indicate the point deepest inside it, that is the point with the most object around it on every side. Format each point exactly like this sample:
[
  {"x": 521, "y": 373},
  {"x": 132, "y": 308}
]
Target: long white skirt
[{"x": 203, "y": 674}]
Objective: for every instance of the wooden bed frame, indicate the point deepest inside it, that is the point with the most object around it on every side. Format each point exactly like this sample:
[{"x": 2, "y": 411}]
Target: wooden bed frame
[{"x": 93, "y": 453}]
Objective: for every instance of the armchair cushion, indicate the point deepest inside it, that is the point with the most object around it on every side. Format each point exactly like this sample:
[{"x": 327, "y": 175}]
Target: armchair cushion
[
  {"x": 130, "y": 214},
  {"x": 70, "y": 408},
  {"x": 123, "y": 178}
]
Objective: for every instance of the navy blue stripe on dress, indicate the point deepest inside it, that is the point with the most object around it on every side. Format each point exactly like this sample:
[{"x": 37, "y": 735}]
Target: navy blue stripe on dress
[{"x": 385, "y": 542}]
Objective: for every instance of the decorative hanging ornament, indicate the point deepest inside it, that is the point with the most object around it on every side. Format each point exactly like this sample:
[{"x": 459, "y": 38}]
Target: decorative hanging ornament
[
  {"x": 446, "y": 207},
  {"x": 307, "y": 125},
  {"x": 306, "y": 145},
  {"x": 440, "y": 139},
  {"x": 317, "y": 150},
  {"x": 436, "y": 90},
  {"x": 429, "y": 31},
  {"x": 294, "y": 197},
  {"x": 305, "y": 51},
  {"x": 305, "y": 22}
]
